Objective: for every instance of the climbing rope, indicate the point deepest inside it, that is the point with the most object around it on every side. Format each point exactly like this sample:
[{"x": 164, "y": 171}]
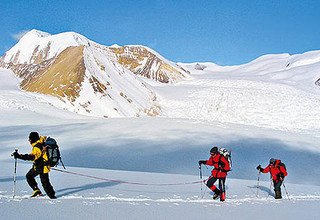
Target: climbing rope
[{"x": 127, "y": 182}]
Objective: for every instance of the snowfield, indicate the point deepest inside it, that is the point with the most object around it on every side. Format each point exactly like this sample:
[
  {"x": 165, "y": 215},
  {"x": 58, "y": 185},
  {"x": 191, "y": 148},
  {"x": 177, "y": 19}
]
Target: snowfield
[
  {"x": 270, "y": 105},
  {"x": 87, "y": 198},
  {"x": 273, "y": 91},
  {"x": 266, "y": 108}
]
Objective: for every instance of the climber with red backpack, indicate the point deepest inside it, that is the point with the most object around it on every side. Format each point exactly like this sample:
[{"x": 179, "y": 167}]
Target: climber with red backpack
[
  {"x": 219, "y": 159},
  {"x": 277, "y": 171}
]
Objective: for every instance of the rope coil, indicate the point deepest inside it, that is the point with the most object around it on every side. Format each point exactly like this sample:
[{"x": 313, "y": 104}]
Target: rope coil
[{"x": 127, "y": 182}]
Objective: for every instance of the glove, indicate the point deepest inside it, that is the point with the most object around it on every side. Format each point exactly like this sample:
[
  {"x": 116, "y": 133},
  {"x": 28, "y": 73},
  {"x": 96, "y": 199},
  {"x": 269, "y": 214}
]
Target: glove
[
  {"x": 259, "y": 168},
  {"x": 16, "y": 155},
  {"x": 202, "y": 162}
]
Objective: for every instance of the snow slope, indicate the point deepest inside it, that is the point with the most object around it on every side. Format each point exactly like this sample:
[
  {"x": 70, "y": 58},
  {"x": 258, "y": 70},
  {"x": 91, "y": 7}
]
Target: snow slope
[
  {"x": 163, "y": 145},
  {"x": 276, "y": 91},
  {"x": 126, "y": 95},
  {"x": 161, "y": 142},
  {"x": 273, "y": 91},
  {"x": 209, "y": 109},
  {"x": 18, "y": 106}
]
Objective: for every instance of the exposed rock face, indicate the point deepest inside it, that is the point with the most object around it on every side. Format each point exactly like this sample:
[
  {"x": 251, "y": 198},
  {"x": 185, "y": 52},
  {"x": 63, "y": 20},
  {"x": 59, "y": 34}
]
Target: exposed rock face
[
  {"x": 144, "y": 62},
  {"x": 199, "y": 66},
  {"x": 38, "y": 56},
  {"x": 62, "y": 77}
]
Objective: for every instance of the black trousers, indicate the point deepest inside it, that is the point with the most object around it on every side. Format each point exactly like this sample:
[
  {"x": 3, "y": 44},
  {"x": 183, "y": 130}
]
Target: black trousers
[
  {"x": 44, "y": 177},
  {"x": 277, "y": 185},
  {"x": 222, "y": 182}
]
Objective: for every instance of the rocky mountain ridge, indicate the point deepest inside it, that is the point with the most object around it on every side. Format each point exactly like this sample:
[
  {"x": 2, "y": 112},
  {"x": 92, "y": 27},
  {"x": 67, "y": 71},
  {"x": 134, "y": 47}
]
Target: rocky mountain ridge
[{"x": 85, "y": 75}]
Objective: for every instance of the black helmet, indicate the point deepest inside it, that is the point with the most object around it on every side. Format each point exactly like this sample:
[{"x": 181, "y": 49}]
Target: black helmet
[
  {"x": 272, "y": 161},
  {"x": 34, "y": 136},
  {"x": 214, "y": 150}
]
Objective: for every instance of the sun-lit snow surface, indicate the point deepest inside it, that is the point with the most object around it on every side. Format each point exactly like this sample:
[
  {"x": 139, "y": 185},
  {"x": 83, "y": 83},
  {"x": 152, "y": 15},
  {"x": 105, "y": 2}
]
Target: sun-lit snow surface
[
  {"x": 121, "y": 81},
  {"x": 174, "y": 145},
  {"x": 86, "y": 198},
  {"x": 37, "y": 41},
  {"x": 274, "y": 91},
  {"x": 167, "y": 145}
]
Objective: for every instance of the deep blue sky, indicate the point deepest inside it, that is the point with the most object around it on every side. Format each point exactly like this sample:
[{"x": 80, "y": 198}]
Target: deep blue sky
[{"x": 224, "y": 32}]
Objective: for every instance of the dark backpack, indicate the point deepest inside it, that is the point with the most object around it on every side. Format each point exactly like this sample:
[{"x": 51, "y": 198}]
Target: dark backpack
[
  {"x": 53, "y": 152},
  {"x": 282, "y": 165}
]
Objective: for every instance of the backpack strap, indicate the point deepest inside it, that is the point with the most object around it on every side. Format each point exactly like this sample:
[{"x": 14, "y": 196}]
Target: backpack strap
[
  {"x": 221, "y": 161},
  {"x": 62, "y": 163},
  {"x": 278, "y": 167}
]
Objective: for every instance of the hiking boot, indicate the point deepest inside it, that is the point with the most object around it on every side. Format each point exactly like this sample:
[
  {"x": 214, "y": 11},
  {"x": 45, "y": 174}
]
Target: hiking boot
[
  {"x": 278, "y": 195},
  {"x": 216, "y": 194},
  {"x": 223, "y": 197},
  {"x": 36, "y": 192},
  {"x": 52, "y": 197}
]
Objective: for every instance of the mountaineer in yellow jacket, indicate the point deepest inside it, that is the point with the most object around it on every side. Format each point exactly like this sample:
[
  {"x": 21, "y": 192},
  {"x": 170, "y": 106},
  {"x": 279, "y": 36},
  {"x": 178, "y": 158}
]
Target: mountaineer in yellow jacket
[{"x": 40, "y": 167}]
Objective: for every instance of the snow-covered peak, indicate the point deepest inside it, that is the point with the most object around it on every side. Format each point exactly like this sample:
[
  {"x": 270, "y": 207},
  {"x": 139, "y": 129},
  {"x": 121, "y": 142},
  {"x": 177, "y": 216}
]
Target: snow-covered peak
[
  {"x": 265, "y": 64},
  {"x": 37, "y": 46},
  {"x": 115, "y": 45},
  {"x": 307, "y": 58},
  {"x": 35, "y": 33}
]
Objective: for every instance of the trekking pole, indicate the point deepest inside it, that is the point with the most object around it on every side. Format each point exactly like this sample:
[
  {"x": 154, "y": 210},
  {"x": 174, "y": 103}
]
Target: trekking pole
[
  {"x": 258, "y": 184},
  {"x": 270, "y": 188},
  {"x": 286, "y": 190},
  {"x": 15, "y": 174},
  {"x": 200, "y": 175}
]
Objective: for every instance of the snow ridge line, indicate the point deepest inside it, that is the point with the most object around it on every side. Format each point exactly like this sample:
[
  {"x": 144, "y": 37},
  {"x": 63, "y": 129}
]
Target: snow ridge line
[{"x": 127, "y": 182}]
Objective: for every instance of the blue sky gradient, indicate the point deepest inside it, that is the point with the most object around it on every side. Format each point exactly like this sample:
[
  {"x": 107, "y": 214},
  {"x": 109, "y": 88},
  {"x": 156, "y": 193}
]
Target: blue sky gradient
[{"x": 223, "y": 32}]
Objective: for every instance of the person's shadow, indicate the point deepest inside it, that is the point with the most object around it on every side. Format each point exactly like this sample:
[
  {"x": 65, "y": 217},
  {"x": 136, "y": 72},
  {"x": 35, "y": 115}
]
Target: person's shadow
[
  {"x": 10, "y": 179},
  {"x": 262, "y": 188},
  {"x": 73, "y": 190}
]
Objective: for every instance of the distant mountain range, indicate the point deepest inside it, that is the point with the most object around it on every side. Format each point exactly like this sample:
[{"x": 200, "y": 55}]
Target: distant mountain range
[{"x": 276, "y": 90}]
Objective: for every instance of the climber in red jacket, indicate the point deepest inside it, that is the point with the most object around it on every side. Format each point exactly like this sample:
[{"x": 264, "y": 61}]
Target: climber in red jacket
[
  {"x": 221, "y": 167},
  {"x": 277, "y": 171}
]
